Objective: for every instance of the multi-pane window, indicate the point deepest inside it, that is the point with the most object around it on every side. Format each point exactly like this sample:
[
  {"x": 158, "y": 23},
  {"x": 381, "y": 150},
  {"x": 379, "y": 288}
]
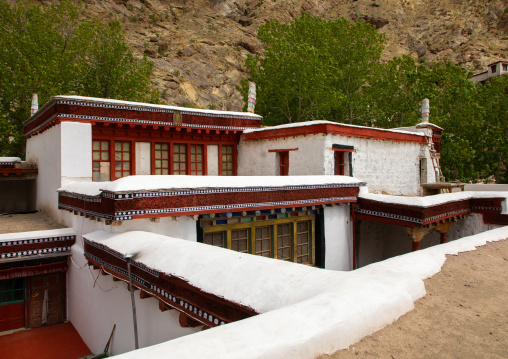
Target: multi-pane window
[
  {"x": 284, "y": 241},
  {"x": 179, "y": 159},
  {"x": 263, "y": 241},
  {"x": 100, "y": 161},
  {"x": 289, "y": 239},
  {"x": 240, "y": 240},
  {"x": 214, "y": 239},
  {"x": 196, "y": 160},
  {"x": 12, "y": 290},
  {"x": 161, "y": 157},
  {"x": 302, "y": 242},
  {"x": 227, "y": 160},
  {"x": 122, "y": 159}
]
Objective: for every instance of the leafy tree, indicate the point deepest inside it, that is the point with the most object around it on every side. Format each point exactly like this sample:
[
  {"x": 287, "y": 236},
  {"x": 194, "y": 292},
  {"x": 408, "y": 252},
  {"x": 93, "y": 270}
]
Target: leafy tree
[
  {"x": 52, "y": 51},
  {"x": 395, "y": 92},
  {"x": 313, "y": 68}
]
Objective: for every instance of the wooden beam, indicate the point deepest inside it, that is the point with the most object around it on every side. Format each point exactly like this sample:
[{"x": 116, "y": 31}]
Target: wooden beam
[
  {"x": 144, "y": 295},
  {"x": 187, "y": 322},
  {"x": 162, "y": 306}
]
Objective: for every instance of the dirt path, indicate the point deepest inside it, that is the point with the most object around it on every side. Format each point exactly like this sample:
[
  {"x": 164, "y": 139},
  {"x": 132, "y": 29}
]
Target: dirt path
[
  {"x": 463, "y": 315},
  {"x": 12, "y": 223}
]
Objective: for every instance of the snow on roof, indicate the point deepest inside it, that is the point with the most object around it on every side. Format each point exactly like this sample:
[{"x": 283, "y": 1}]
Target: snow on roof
[
  {"x": 429, "y": 201},
  {"x": 340, "y": 309},
  {"x": 166, "y": 107},
  {"x": 312, "y": 123},
  {"x": 6, "y": 237},
  {"x": 159, "y": 183},
  {"x": 9, "y": 159},
  {"x": 260, "y": 283}
]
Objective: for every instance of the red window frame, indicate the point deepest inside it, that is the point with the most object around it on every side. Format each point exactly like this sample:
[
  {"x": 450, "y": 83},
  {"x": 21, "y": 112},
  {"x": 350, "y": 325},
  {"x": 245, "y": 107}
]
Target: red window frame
[
  {"x": 196, "y": 158},
  {"x": 122, "y": 157},
  {"x": 180, "y": 158},
  {"x": 103, "y": 155},
  {"x": 227, "y": 159},
  {"x": 161, "y": 155}
]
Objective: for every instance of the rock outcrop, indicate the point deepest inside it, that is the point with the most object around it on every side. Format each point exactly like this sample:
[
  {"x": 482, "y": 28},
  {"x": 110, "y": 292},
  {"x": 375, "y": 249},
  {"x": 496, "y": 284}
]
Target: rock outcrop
[{"x": 199, "y": 46}]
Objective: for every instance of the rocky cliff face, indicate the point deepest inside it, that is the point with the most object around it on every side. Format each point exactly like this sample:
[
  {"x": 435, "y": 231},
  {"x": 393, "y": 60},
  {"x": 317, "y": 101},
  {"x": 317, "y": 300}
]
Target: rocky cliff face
[{"x": 199, "y": 46}]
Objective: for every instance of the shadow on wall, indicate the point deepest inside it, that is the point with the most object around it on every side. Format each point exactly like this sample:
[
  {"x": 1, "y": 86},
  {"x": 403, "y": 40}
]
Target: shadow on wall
[{"x": 17, "y": 196}]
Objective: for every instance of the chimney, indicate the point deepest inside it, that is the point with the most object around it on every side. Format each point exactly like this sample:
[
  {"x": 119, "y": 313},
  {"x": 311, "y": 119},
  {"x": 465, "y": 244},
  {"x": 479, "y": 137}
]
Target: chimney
[
  {"x": 251, "y": 99},
  {"x": 35, "y": 104},
  {"x": 425, "y": 110}
]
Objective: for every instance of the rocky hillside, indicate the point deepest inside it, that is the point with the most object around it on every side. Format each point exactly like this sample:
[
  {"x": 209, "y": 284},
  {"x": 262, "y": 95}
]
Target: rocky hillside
[{"x": 199, "y": 46}]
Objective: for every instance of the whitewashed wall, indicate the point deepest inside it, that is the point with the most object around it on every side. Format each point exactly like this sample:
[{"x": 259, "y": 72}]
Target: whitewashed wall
[
  {"x": 63, "y": 153},
  {"x": 387, "y": 166},
  {"x": 95, "y": 306},
  {"x": 255, "y": 160},
  {"x": 94, "y": 310},
  {"x": 338, "y": 238}
]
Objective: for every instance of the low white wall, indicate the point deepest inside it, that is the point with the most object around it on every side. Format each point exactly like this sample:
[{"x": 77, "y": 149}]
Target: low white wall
[
  {"x": 338, "y": 238},
  {"x": 255, "y": 160},
  {"x": 486, "y": 187},
  {"x": 352, "y": 305}
]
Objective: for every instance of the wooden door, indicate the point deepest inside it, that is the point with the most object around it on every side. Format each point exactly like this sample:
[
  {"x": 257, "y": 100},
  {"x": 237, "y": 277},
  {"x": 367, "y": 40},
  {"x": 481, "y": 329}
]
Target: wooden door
[
  {"x": 284, "y": 163},
  {"x": 339, "y": 163},
  {"x": 45, "y": 299}
]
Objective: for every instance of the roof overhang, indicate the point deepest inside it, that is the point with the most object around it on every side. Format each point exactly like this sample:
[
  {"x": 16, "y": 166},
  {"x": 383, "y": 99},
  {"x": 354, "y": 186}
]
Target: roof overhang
[
  {"x": 163, "y": 196},
  {"x": 424, "y": 211},
  {"x": 107, "y": 111},
  {"x": 327, "y": 127}
]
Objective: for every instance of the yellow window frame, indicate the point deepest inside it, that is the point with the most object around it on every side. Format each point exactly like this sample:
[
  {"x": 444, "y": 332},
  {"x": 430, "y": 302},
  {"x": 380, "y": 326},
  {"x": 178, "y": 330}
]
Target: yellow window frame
[{"x": 272, "y": 223}]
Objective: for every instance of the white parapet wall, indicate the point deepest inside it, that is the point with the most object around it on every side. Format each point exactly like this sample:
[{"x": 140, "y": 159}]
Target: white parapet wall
[
  {"x": 343, "y": 308},
  {"x": 63, "y": 153}
]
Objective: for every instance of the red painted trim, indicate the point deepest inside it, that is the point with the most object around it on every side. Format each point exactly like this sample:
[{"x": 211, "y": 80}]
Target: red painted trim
[
  {"x": 205, "y": 160},
  {"x": 415, "y": 246},
  {"x": 33, "y": 270},
  {"x": 17, "y": 171},
  {"x": 284, "y": 150},
  {"x": 334, "y": 129},
  {"x": 220, "y": 159},
  {"x": 235, "y": 160}
]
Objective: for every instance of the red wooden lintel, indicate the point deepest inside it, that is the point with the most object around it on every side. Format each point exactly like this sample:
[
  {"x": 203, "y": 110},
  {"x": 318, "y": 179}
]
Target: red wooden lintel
[{"x": 284, "y": 150}]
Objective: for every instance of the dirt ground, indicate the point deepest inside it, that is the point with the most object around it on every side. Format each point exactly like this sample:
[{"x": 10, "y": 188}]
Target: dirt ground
[
  {"x": 463, "y": 315},
  {"x": 11, "y": 223}
]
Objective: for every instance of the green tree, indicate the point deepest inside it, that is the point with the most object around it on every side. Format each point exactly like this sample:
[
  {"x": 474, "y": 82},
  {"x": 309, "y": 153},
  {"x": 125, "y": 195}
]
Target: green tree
[
  {"x": 395, "y": 92},
  {"x": 313, "y": 69},
  {"x": 52, "y": 51}
]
